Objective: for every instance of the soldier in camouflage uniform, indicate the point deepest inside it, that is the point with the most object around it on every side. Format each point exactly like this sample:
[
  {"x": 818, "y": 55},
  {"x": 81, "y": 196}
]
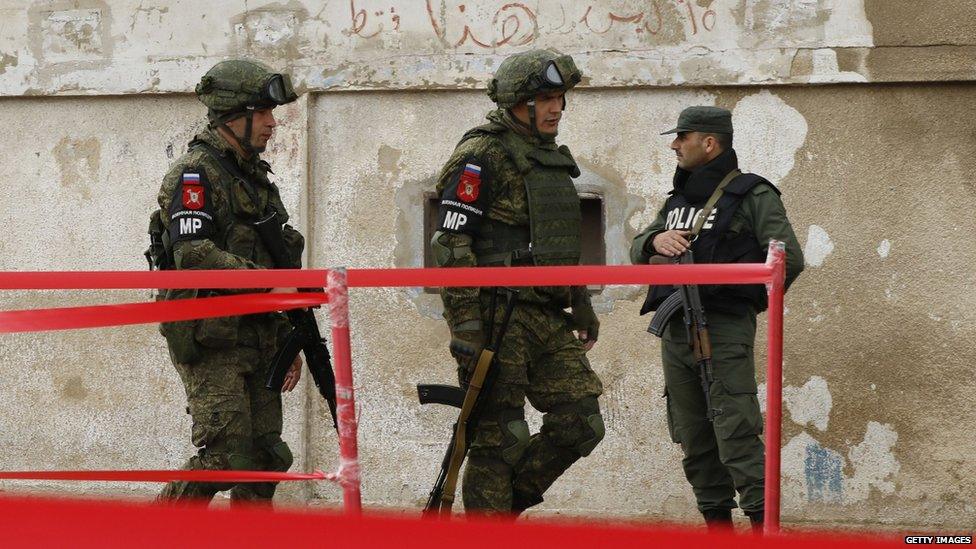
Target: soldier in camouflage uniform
[
  {"x": 725, "y": 455},
  {"x": 507, "y": 198},
  {"x": 206, "y": 219}
]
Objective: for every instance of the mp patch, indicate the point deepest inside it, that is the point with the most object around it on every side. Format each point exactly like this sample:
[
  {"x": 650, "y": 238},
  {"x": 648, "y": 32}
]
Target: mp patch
[
  {"x": 191, "y": 210},
  {"x": 464, "y": 201}
]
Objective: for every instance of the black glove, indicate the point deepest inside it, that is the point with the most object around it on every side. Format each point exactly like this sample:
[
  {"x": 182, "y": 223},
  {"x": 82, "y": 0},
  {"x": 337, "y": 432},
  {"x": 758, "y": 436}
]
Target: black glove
[{"x": 583, "y": 317}]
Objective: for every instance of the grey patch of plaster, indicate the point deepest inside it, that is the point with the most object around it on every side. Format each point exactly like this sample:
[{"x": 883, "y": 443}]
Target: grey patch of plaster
[
  {"x": 79, "y": 161},
  {"x": 618, "y": 207},
  {"x": 884, "y": 248},
  {"x": 388, "y": 159},
  {"x": 809, "y": 404},
  {"x": 411, "y": 247},
  {"x": 74, "y": 389},
  {"x": 272, "y": 32},
  {"x": 769, "y": 132},
  {"x": 818, "y": 247},
  {"x": 66, "y": 36}
]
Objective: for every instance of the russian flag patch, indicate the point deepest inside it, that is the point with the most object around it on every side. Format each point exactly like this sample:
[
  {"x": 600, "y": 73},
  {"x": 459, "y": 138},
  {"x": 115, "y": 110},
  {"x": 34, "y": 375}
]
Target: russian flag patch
[{"x": 470, "y": 183}]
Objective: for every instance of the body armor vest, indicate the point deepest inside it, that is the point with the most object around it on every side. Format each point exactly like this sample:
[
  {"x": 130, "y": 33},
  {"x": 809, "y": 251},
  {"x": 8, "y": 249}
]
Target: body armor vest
[
  {"x": 553, "y": 235},
  {"x": 239, "y": 236},
  {"x": 715, "y": 244}
]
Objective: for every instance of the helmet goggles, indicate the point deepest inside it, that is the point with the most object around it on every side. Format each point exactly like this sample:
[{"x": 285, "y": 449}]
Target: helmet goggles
[{"x": 277, "y": 90}]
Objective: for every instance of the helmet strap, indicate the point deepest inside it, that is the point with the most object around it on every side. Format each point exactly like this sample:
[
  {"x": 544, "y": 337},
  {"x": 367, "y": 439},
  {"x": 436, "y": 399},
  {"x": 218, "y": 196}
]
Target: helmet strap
[
  {"x": 243, "y": 142},
  {"x": 248, "y": 127},
  {"x": 532, "y": 117}
]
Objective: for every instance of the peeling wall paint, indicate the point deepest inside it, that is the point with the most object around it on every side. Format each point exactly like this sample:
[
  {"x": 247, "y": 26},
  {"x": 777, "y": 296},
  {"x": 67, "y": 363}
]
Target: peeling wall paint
[
  {"x": 819, "y": 246},
  {"x": 91, "y": 47}
]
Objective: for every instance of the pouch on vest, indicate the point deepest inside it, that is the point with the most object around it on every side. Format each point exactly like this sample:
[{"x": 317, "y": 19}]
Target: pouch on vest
[
  {"x": 183, "y": 348},
  {"x": 217, "y": 333}
]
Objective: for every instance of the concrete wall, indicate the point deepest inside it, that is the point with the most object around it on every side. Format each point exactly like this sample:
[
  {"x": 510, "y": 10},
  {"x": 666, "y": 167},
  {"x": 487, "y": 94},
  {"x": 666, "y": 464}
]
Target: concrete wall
[{"x": 874, "y": 165}]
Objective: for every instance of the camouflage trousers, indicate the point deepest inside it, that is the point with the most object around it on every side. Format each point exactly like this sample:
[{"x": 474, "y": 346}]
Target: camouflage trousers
[
  {"x": 236, "y": 423},
  {"x": 541, "y": 359},
  {"x": 725, "y": 456}
]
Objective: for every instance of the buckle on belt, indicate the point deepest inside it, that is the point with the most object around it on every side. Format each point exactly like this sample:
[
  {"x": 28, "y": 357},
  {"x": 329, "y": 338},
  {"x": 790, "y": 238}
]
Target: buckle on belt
[{"x": 518, "y": 255}]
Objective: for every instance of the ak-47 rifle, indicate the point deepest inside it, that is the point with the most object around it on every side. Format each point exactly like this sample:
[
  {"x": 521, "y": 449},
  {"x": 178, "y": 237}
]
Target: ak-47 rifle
[
  {"x": 470, "y": 400},
  {"x": 688, "y": 299}
]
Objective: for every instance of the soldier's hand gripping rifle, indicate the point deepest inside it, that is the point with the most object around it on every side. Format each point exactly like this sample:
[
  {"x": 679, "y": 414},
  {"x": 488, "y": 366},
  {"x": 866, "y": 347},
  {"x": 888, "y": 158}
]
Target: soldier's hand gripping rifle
[
  {"x": 304, "y": 336},
  {"x": 470, "y": 400},
  {"x": 688, "y": 300}
]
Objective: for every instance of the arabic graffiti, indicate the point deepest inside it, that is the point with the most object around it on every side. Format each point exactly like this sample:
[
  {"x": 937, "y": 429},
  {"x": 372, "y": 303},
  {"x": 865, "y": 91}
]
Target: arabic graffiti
[{"x": 459, "y": 23}]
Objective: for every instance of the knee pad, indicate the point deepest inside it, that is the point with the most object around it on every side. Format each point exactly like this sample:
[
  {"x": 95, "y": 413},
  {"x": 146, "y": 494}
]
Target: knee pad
[
  {"x": 581, "y": 423},
  {"x": 516, "y": 440},
  {"x": 589, "y": 412}
]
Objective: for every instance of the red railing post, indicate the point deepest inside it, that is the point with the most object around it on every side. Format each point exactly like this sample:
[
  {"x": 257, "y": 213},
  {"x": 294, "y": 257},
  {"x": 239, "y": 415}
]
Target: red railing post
[
  {"x": 338, "y": 293},
  {"x": 775, "y": 289}
]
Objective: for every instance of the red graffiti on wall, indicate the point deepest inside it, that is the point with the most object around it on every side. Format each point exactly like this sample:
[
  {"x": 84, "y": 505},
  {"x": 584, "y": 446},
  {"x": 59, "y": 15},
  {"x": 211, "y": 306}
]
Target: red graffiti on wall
[
  {"x": 651, "y": 20},
  {"x": 513, "y": 24},
  {"x": 360, "y": 18},
  {"x": 457, "y": 24}
]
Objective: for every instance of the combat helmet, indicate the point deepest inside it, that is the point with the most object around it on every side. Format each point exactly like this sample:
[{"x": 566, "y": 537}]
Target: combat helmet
[
  {"x": 235, "y": 88},
  {"x": 524, "y": 75}
]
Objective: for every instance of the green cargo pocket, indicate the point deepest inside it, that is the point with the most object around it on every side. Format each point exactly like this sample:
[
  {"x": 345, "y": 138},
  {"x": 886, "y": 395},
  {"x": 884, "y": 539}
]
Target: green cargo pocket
[
  {"x": 213, "y": 428},
  {"x": 667, "y": 407},
  {"x": 217, "y": 333},
  {"x": 183, "y": 348},
  {"x": 740, "y": 415}
]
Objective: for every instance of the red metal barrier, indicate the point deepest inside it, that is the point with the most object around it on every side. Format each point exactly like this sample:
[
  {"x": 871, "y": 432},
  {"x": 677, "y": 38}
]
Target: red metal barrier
[
  {"x": 35, "y": 522},
  {"x": 772, "y": 273},
  {"x": 345, "y": 398}
]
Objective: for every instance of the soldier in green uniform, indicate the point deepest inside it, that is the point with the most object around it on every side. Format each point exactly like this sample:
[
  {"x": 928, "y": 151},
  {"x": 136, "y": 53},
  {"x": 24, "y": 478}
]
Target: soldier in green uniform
[
  {"x": 206, "y": 219},
  {"x": 725, "y": 455},
  {"x": 507, "y": 198}
]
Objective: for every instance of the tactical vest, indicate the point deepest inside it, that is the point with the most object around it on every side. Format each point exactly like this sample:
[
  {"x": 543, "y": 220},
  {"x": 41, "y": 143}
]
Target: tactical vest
[
  {"x": 239, "y": 237},
  {"x": 553, "y": 235},
  {"x": 716, "y": 245}
]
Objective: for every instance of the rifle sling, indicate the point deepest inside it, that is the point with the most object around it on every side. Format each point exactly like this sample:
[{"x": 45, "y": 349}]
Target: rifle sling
[
  {"x": 712, "y": 200},
  {"x": 230, "y": 167}
]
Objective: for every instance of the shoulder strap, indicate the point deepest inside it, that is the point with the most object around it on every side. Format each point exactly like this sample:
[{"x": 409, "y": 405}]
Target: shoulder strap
[
  {"x": 745, "y": 183},
  {"x": 230, "y": 167},
  {"x": 712, "y": 200}
]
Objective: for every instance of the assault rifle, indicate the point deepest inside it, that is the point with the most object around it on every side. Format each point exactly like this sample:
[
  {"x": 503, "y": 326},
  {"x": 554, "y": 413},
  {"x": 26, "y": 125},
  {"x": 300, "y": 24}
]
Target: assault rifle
[
  {"x": 305, "y": 335},
  {"x": 688, "y": 300},
  {"x": 470, "y": 400}
]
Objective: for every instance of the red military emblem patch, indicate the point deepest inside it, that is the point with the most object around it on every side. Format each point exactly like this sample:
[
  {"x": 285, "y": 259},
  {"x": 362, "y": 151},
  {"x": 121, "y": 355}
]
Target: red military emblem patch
[
  {"x": 469, "y": 186},
  {"x": 193, "y": 197}
]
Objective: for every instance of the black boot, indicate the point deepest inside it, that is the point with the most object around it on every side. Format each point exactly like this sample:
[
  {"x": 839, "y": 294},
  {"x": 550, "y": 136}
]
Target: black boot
[
  {"x": 756, "y": 519},
  {"x": 718, "y": 520}
]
